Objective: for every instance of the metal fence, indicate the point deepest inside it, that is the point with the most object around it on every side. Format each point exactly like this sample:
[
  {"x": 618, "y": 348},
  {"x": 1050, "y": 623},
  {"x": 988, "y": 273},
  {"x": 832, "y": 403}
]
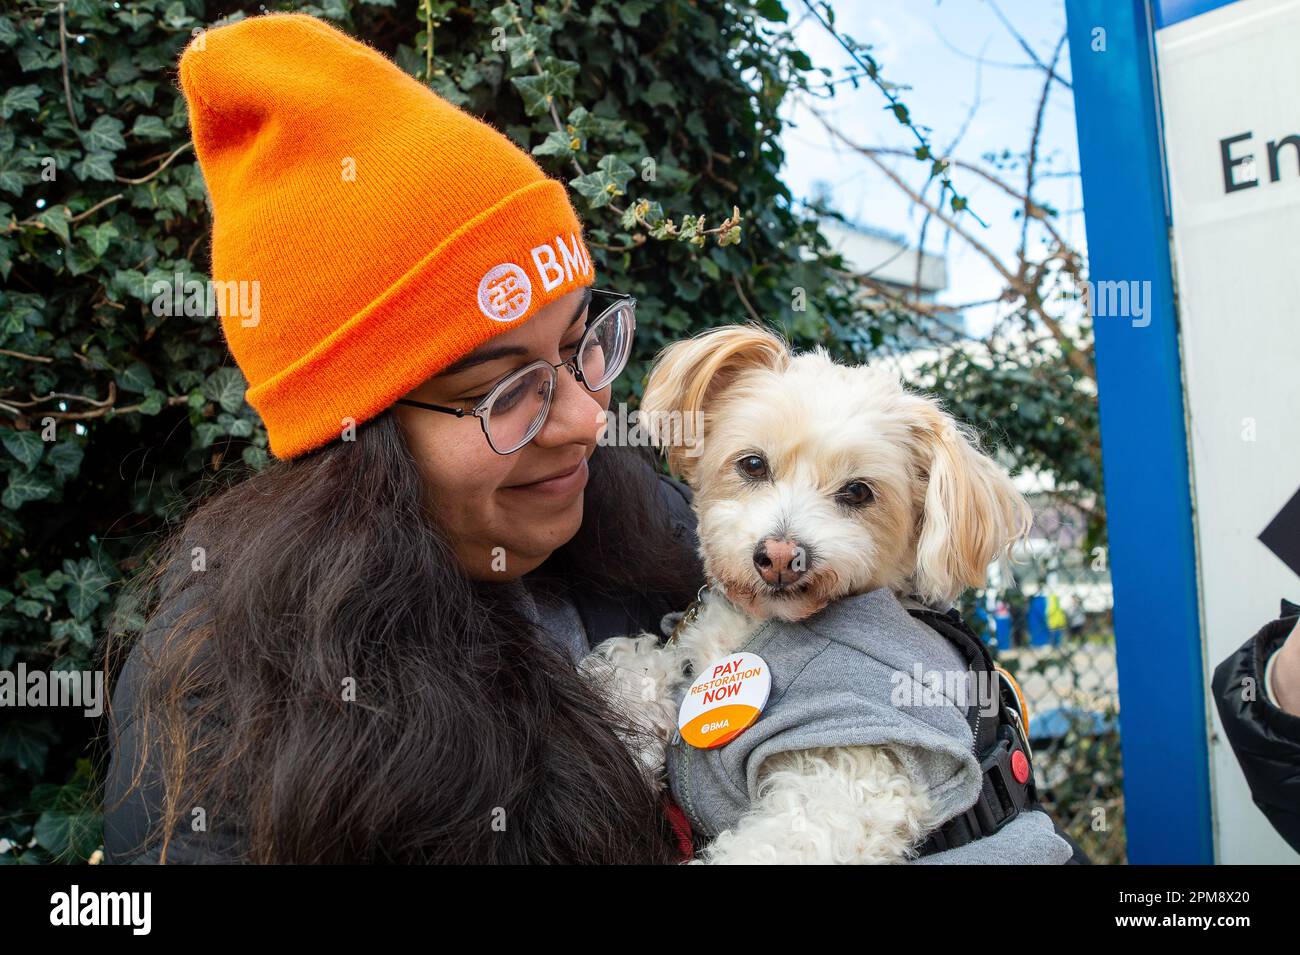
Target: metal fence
[{"x": 1046, "y": 614}]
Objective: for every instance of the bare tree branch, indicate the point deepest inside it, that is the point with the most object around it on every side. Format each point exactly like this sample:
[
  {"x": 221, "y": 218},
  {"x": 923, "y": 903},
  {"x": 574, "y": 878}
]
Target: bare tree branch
[
  {"x": 1024, "y": 45},
  {"x": 1016, "y": 279}
]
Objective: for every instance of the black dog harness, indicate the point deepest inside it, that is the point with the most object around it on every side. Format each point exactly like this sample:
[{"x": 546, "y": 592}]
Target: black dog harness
[{"x": 1001, "y": 744}]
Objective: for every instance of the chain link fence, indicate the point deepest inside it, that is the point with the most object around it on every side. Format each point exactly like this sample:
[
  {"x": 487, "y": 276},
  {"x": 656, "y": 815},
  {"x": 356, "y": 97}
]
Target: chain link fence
[{"x": 1047, "y": 616}]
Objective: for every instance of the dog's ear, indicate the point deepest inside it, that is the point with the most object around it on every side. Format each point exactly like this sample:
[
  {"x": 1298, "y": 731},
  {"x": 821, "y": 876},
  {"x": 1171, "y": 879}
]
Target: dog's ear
[
  {"x": 688, "y": 375},
  {"x": 972, "y": 512}
]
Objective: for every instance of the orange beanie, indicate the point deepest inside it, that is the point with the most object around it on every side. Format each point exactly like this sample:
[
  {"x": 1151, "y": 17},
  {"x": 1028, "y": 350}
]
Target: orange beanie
[{"x": 366, "y": 232}]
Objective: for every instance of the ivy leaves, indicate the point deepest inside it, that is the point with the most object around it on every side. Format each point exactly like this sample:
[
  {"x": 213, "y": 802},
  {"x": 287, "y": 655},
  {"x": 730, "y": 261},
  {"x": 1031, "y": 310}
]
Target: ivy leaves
[
  {"x": 105, "y": 135},
  {"x": 85, "y": 587},
  {"x": 607, "y": 182},
  {"x": 226, "y": 387},
  {"x": 68, "y": 827},
  {"x": 26, "y": 446},
  {"x": 549, "y": 83},
  {"x": 36, "y": 469},
  {"x": 539, "y": 92},
  {"x": 18, "y": 99},
  {"x": 81, "y": 586}
]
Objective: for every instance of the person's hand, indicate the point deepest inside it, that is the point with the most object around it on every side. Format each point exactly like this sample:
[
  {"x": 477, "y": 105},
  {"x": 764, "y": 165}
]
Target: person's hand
[{"x": 1286, "y": 673}]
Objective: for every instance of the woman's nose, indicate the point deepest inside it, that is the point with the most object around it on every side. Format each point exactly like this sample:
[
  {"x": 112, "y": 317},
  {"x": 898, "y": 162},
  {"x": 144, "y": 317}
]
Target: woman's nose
[{"x": 574, "y": 412}]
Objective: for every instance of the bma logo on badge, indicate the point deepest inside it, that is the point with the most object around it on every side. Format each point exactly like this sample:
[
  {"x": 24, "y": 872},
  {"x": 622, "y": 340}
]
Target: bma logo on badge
[{"x": 504, "y": 292}]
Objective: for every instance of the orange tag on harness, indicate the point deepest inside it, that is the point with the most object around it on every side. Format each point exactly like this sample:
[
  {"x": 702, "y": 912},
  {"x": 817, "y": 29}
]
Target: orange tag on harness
[{"x": 725, "y": 700}]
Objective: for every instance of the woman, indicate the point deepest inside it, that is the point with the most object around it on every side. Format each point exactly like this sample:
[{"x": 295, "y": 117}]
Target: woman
[{"x": 365, "y": 653}]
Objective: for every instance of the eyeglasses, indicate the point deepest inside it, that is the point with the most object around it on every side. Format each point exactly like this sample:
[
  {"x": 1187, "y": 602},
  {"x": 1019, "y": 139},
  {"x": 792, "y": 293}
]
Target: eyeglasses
[{"x": 515, "y": 408}]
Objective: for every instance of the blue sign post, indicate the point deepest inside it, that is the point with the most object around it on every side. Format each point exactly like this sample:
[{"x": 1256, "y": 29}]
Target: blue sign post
[{"x": 1152, "y": 555}]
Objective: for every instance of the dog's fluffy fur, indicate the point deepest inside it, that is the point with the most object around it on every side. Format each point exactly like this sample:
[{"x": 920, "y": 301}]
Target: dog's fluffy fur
[{"x": 924, "y": 514}]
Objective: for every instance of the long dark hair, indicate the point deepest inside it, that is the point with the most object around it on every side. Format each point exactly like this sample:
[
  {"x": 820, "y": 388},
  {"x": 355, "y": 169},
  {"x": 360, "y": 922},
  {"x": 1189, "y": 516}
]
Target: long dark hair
[{"x": 469, "y": 739}]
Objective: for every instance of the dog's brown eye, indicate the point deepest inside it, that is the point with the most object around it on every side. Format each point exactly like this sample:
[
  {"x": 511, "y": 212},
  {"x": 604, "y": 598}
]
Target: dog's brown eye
[
  {"x": 752, "y": 466},
  {"x": 856, "y": 494}
]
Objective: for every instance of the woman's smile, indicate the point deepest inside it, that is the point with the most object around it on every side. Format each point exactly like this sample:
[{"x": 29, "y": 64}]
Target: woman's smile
[{"x": 559, "y": 485}]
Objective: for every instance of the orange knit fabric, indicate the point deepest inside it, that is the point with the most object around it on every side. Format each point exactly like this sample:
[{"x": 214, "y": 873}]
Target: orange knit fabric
[{"x": 379, "y": 232}]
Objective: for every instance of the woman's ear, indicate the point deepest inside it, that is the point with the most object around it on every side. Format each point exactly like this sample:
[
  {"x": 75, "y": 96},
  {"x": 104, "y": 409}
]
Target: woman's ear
[
  {"x": 972, "y": 512},
  {"x": 689, "y": 375}
]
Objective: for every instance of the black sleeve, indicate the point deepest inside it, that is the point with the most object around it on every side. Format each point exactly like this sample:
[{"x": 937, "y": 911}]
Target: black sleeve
[
  {"x": 677, "y": 498},
  {"x": 677, "y": 487},
  {"x": 604, "y": 616},
  {"x": 1265, "y": 739},
  {"x": 133, "y": 794}
]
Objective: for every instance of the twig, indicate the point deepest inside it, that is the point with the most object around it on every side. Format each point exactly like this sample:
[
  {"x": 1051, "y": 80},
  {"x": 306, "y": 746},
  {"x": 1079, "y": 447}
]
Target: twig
[
  {"x": 166, "y": 163},
  {"x": 555, "y": 115},
  {"x": 924, "y": 151},
  {"x": 60, "y": 395},
  {"x": 1024, "y": 45},
  {"x": 63, "y": 53},
  {"x": 95, "y": 208},
  {"x": 952, "y": 147},
  {"x": 33, "y": 221},
  {"x": 171, "y": 401},
  {"x": 981, "y": 59},
  {"x": 99, "y": 409},
  {"x": 1035, "y": 210},
  {"x": 935, "y": 309},
  {"x": 735, "y": 280},
  {"x": 1031, "y": 161},
  {"x": 43, "y": 359}
]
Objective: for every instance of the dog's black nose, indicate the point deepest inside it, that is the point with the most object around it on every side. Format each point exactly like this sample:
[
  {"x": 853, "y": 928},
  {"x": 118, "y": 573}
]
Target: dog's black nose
[{"x": 780, "y": 562}]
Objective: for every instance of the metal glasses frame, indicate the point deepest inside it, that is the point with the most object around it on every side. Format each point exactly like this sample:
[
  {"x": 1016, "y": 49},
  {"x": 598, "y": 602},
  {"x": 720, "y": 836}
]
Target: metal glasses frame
[{"x": 480, "y": 409}]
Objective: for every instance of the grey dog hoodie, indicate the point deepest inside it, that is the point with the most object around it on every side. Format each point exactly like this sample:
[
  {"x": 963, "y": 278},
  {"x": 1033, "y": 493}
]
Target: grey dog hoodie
[{"x": 835, "y": 676}]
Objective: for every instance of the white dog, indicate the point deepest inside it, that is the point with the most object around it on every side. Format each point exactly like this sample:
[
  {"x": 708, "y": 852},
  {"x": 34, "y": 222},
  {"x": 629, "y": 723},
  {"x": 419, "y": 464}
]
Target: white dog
[{"x": 813, "y": 481}]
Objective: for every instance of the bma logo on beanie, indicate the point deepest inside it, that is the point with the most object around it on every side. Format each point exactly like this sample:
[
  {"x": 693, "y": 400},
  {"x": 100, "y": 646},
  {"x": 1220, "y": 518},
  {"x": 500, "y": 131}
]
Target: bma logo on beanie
[{"x": 505, "y": 291}]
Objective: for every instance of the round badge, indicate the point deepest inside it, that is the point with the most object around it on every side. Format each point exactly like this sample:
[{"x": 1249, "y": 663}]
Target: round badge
[
  {"x": 505, "y": 292},
  {"x": 725, "y": 700}
]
